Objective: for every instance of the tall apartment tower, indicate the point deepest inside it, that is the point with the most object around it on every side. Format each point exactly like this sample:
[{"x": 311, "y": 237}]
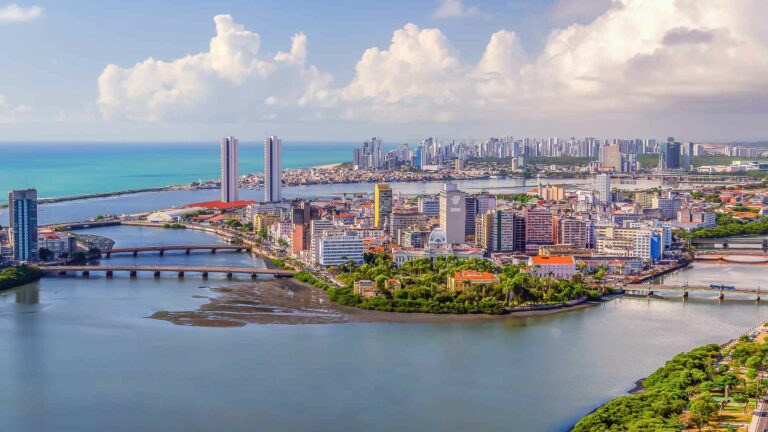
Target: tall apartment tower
[
  {"x": 603, "y": 188},
  {"x": 453, "y": 213},
  {"x": 272, "y": 181},
  {"x": 382, "y": 204},
  {"x": 229, "y": 160},
  {"x": 22, "y": 211}
]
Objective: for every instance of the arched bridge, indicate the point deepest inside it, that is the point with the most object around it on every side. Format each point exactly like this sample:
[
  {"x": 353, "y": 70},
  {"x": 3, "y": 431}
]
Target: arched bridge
[
  {"x": 180, "y": 271},
  {"x": 186, "y": 248}
]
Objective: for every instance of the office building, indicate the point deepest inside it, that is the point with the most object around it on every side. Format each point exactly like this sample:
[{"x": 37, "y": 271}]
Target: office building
[
  {"x": 603, "y": 188},
  {"x": 501, "y": 230},
  {"x": 229, "y": 161},
  {"x": 453, "y": 213},
  {"x": 22, "y": 211},
  {"x": 538, "y": 228},
  {"x": 337, "y": 249},
  {"x": 382, "y": 204},
  {"x": 429, "y": 206},
  {"x": 612, "y": 157},
  {"x": 272, "y": 170},
  {"x": 574, "y": 232}
]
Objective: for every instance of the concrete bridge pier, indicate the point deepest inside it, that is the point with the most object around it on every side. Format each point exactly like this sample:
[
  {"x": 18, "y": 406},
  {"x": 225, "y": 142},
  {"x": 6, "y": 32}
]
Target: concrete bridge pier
[
  {"x": 108, "y": 255},
  {"x": 62, "y": 273},
  {"x": 86, "y": 273},
  {"x": 213, "y": 251},
  {"x": 109, "y": 274},
  {"x": 132, "y": 274},
  {"x": 162, "y": 252},
  {"x": 238, "y": 250},
  {"x": 229, "y": 275},
  {"x": 181, "y": 274},
  {"x": 205, "y": 275},
  {"x": 188, "y": 251},
  {"x": 254, "y": 276},
  {"x": 135, "y": 253},
  {"x": 685, "y": 294},
  {"x": 721, "y": 296},
  {"x": 157, "y": 273}
]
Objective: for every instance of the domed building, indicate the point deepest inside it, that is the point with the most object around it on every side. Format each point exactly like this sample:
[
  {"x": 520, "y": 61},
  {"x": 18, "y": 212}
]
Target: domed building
[{"x": 437, "y": 246}]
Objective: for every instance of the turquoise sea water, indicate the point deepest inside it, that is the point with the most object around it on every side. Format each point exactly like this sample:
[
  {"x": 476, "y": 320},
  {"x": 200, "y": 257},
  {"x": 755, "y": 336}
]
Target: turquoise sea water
[{"x": 66, "y": 169}]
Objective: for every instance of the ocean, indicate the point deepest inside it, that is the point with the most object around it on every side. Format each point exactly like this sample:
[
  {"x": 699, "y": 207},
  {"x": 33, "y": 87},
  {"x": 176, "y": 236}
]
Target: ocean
[{"x": 67, "y": 169}]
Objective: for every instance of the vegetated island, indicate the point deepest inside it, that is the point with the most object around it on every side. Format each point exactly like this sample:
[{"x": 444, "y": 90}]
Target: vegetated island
[
  {"x": 709, "y": 387},
  {"x": 13, "y": 277},
  {"x": 421, "y": 285}
]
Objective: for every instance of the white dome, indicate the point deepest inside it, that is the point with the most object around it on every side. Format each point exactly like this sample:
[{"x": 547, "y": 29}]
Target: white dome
[{"x": 437, "y": 237}]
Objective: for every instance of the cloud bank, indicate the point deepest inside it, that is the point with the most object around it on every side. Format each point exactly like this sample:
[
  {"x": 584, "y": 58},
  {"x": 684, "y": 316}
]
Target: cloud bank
[
  {"x": 15, "y": 13},
  {"x": 639, "y": 57}
]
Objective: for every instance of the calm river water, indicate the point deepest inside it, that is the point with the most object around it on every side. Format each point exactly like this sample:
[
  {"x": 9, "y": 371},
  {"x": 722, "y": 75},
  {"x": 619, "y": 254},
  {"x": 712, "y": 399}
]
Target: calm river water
[{"x": 79, "y": 355}]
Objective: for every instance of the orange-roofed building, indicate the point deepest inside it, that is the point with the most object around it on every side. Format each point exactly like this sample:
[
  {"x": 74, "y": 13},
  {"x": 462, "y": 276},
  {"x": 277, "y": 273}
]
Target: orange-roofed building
[
  {"x": 460, "y": 280},
  {"x": 557, "y": 267}
]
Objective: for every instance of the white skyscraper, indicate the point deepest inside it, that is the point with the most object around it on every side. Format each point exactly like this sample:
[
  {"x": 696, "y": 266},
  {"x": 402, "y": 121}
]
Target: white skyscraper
[
  {"x": 453, "y": 213},
  {"x": 272, "y": 182},
  {"x": 603, "y": 188},
  {"x": 229, "y": 160}
]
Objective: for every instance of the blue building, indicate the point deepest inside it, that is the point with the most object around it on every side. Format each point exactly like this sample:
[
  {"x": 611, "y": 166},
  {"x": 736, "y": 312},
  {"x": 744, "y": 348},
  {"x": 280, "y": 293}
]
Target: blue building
[
  {"x": 22, "y": 211},
  {"x": 656, "y": 247}
]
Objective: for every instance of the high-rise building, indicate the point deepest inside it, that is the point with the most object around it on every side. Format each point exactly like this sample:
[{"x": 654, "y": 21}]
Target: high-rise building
[
  {"x": 612, "y": 157},
  {"x": 501, "y": 230},
  {"x": 22, "y": 211},
  {"x": 574, "y": 232},
  {"x": 453, "y": 213},
  {"x": 382, "y": 204},
  {"x": 538, "y": 227},
  {"x": 272, "y": 170},
  {"x": 229, "y": 160},
  {"x": 603, "y": 188}
]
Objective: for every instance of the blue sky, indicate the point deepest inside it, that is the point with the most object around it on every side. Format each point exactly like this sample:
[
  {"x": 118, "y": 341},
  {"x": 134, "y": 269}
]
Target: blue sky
[{"x": 598, "y": 76}]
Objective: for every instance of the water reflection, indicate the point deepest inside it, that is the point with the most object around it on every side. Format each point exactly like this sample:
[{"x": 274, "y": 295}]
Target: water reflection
[{"x": 28, "y": 294}]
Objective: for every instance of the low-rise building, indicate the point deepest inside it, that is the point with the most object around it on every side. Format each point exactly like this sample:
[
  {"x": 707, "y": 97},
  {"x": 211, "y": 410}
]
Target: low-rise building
[
  {"x": 365, "y": 288},
  {"x": 556, "y": 267},
  {"x": 458, "y": 281}
]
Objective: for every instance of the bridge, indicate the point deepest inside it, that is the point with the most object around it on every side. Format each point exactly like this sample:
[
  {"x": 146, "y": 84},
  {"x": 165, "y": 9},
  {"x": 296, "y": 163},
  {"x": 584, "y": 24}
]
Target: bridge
[
  {"x": 647, "y": 290},
  {"x": 186, "y": 248},
  {"x": 180, "y": 271}
]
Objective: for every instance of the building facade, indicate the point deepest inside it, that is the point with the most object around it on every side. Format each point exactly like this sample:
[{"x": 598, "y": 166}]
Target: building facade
[
  {"x": 229, "y": 161},
  {"x": 453, "y": 213},
  {"x": 272, "y": 170},
  {"x": 382, "y": 204},
  {"x": 22, "y": 211}
]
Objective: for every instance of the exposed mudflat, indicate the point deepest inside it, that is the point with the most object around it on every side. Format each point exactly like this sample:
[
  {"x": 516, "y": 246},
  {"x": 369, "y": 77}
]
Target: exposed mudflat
[{"x": 288, "y": 301}]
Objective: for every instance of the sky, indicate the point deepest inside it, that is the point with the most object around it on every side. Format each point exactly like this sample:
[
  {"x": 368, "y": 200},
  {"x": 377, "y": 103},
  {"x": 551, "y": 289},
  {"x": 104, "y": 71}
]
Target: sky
[{"x": 345, "y": 70}]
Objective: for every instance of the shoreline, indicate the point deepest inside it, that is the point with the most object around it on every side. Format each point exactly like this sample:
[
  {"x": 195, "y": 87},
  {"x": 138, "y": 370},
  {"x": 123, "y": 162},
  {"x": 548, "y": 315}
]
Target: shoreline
[{"x": 638, "y": 388}]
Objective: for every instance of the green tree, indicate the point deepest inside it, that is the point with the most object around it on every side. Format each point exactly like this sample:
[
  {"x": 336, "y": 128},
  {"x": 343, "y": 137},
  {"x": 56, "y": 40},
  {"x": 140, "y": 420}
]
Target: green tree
[{"x": 702, "y": 409}]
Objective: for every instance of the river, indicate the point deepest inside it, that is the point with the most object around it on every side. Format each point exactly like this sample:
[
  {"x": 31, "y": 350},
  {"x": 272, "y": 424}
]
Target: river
[
  {"x": 80, "y": 354},
  {"x": 70, "y": 211}
]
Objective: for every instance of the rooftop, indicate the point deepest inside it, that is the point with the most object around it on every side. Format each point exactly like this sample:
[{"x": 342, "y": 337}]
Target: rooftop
[
  {"x": 473, "y": 275},
  {"x": 552, "y": 260}
]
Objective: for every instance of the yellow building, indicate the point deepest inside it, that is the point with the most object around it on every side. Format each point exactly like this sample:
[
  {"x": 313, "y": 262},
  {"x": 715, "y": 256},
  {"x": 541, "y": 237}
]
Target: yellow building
[
  {"x": 262, "y": 221},
  {"x": 382, "y": 203},
  {"x": 460, "y": 280}
]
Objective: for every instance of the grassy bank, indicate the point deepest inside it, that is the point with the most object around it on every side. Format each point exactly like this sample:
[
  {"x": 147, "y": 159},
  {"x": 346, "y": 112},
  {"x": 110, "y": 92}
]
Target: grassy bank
[
  {"x": 690, "y": 391},
  {"x": 12, "y": 277}
]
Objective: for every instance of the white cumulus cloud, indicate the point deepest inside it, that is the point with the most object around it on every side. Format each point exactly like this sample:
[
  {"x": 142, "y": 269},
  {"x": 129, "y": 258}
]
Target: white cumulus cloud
[
  {"x": 232, "y": 80},
  {"x": 14, "y": 13},
  {"x": 671, "y": 59}
]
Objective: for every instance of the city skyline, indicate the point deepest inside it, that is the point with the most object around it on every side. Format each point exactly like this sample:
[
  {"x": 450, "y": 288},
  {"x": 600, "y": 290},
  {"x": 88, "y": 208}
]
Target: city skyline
[{"x": 465, "y": 68}]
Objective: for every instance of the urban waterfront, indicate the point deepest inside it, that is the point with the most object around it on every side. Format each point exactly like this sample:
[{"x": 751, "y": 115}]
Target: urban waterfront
[{"x": 70, "y": 342}]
